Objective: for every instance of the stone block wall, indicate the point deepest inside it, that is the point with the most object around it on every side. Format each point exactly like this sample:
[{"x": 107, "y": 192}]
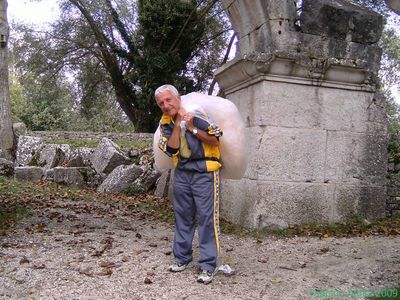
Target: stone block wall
[
  {"x": 393, "y": 189},
  {"x": 316, "y": 153}
]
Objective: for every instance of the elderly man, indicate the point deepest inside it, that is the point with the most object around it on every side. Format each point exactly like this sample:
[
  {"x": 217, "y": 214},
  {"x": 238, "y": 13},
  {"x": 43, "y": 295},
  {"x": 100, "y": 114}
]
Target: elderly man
[{"x": 196, "y": 156}]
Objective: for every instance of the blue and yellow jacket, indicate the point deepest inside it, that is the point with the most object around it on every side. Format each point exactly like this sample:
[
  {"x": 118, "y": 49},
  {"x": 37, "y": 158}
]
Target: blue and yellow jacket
[{"x": 193, "y": 154}]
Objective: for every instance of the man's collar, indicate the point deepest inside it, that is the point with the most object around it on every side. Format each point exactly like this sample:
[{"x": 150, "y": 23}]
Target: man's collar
[{"x": 166, "y": 119}]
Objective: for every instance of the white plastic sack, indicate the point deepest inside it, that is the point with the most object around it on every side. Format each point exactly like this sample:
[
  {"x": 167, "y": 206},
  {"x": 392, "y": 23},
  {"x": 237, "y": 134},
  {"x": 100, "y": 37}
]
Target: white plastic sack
[{"x": 232, "y": 144}]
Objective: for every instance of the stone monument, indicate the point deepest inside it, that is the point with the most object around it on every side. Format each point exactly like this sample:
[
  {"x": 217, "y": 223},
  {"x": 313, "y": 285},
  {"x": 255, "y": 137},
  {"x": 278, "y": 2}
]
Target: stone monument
[{"x": 305, "y": 86}]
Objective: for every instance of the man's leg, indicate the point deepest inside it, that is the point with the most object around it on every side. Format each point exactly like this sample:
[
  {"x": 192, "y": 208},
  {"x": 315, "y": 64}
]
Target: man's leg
[
  {"x": 185, "y": 210},
  {"x": 205, "y": 188}
]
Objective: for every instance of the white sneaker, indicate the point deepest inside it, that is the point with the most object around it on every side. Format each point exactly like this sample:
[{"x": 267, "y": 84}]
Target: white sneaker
[
  {"x": 177, "y": 267},
  {"x": 205, "y": 277}
]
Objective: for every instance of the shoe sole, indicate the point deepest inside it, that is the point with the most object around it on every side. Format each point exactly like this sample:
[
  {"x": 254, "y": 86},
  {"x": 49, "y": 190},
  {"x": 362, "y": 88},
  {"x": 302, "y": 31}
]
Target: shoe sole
[
  {"x": 178, "y": 270},
  {"x": 204, "y": 282}
]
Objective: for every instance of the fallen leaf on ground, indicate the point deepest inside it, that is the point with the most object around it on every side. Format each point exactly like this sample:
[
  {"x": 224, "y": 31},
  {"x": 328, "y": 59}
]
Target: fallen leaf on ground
[
  {"x": 137, "y": 252},
  {"x": 24, "y": 260},
  {"x": 147, "y": 280},
  {"x": 86, "y": 271},
  {"x": 275, "y": 280},
  {"x": 324, "y": 250},
  {"x": 108, "y": 264},
  {"x": 105, "y": 272},
  {"x": 38, "y": 266},
  {"x": 287, "y": 268}
]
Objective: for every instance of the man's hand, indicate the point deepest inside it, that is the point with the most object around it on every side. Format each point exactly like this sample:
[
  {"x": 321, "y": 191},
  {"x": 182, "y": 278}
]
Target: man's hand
[
  {"x": 180, "y": 115},
  {"x": 188, "y": 118}
]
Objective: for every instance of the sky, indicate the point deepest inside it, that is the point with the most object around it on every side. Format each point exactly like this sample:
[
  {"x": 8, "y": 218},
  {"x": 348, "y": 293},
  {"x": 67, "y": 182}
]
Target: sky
[{"x": 31, "y": 11}]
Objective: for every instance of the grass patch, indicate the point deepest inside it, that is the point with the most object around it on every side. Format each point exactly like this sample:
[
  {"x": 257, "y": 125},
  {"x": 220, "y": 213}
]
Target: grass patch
[
  {"x": 230, "y": 228},
  {"x": 11, "y": 187},
  {"x": 11, "y": 213},
  {"x": 75, "y": 143},
  {"x": 94, "y": 143},
  {"x": 162, "y": 209},
  {"x": 133, "y": 144},
  {"x": 353, "y": 227}
]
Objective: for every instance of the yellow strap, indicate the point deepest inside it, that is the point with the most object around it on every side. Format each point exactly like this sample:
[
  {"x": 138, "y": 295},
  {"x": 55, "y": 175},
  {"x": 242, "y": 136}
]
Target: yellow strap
[{"x": 184, "y": 148}]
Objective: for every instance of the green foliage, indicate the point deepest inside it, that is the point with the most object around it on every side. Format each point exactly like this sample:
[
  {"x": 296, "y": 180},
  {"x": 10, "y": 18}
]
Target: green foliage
[
  {"x": 18, "y": 101},
  {"x": 116, "y": 53},
  {"x": 390, "y": 43}
]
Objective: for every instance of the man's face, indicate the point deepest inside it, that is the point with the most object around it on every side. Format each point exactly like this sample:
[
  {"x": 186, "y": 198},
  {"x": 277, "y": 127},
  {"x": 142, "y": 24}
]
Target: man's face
[{"x": 168, "y": 103}]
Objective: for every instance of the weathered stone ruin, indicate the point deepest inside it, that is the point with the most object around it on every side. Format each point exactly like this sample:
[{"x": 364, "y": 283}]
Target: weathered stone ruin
[
  {"x": 305, "y": 86},
  {"x": 107, "y": 167}
]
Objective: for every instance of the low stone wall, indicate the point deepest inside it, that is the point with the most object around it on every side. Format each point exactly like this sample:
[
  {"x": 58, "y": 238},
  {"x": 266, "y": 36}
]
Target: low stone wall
[
  {"x": 393, "y": 188},
  {"x": 69, "y": 135}
]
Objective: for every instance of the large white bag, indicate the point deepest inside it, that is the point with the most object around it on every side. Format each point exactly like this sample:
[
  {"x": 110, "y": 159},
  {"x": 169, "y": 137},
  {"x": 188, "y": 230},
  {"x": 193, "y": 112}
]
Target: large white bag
[{"x": 226, "y": 115}]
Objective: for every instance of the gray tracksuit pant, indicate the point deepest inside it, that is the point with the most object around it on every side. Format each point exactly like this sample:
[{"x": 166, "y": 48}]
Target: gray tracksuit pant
[{"x": 196, "y": 192}]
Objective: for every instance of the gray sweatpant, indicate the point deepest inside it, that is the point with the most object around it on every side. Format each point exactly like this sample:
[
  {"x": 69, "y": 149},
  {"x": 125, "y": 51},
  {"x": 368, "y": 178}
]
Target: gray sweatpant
[{"x": 196, "y": 192}]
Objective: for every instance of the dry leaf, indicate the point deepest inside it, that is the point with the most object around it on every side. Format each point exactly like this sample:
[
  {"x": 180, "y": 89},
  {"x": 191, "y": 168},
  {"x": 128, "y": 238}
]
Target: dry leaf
[
  {"x": 24, "y": 260},
  {"x": 147, "y": 280},
  {"x": 86, "y": 271},
  {"x": 38, "y": 266},
  {"x": 105, "y": 272}
]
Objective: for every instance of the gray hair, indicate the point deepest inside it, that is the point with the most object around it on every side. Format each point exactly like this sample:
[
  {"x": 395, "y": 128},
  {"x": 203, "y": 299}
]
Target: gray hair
[{"x": 167, "y": 87}]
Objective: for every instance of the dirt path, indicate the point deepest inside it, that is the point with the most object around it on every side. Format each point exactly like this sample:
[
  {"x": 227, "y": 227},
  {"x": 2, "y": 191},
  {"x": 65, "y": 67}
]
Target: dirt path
[{"x": 72, "y": 251}]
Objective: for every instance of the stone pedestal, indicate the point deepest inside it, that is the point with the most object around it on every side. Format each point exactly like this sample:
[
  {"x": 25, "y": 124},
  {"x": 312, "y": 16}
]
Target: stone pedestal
[{"x": 316, "y": 132}]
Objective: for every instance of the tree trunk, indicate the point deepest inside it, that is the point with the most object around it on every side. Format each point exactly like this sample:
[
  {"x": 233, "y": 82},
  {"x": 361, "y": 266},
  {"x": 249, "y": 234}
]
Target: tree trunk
[{"x": 6, "y": 130}]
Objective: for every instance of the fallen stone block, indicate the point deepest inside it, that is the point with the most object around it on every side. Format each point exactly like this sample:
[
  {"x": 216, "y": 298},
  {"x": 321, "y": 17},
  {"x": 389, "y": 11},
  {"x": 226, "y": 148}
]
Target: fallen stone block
[
  {"x": 120, "y": 179},
  {"x": 27, "y": 173},
  {"x": 27, "y": 147},
  {"x": 107, "y": 156},
  {"x": 6, "y": 167},
  {"x": 81, "y": 157},
  {"x": 146, "y": 181},
  {"x": 51, "y": 156},
  {"x": 162, "y": 184},
  {"x": 19, "y": 129},
  {"x": 71, "y": 176}
]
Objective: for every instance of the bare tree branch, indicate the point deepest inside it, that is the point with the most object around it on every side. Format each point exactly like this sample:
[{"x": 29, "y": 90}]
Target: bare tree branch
[{"x": 228, "y": 50}]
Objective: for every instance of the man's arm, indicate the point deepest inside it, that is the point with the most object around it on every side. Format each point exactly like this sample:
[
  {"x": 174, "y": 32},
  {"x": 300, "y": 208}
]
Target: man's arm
[
  {"x": 206, "y": 138},
  {"x": 202, "y": 135}
]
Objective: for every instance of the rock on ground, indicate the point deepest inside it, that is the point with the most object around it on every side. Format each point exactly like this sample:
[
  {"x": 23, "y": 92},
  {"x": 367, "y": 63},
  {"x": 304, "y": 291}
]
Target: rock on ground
[{"x": 78, "y": 250}]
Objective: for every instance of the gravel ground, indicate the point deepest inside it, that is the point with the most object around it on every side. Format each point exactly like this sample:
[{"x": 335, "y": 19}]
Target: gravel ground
[{"x": 71, "y": 251}]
